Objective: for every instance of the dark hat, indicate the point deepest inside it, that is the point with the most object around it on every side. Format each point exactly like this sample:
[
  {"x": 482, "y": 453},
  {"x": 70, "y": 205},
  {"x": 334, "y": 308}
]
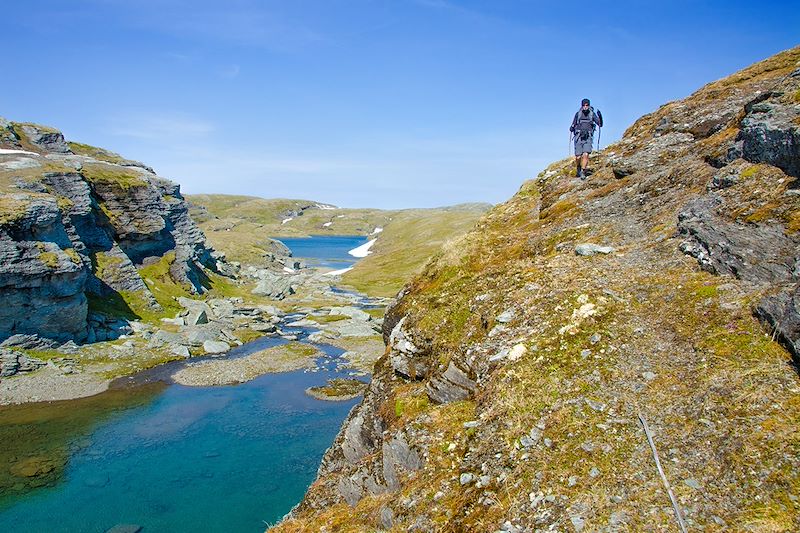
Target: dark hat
[{"x": 584, "y": 101}]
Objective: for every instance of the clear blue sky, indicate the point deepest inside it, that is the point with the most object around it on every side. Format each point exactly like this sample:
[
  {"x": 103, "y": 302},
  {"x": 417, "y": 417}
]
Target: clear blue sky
[{"x": 379, "y": 103}]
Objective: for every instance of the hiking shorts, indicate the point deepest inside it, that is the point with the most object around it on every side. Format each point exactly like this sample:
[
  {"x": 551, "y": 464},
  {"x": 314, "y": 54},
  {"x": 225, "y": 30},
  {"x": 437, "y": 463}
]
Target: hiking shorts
[{"x": 583, "y": 147}]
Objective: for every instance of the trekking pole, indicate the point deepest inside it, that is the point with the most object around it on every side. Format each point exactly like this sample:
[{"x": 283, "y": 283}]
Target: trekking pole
[
  {"x": 569, "y": 145},
  {"x": 599, "y": 131}
]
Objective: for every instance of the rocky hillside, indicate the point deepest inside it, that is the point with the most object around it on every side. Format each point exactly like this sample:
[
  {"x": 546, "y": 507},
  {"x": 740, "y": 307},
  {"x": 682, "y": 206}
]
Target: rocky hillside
[
  {"x": 522, "y": 364},
  {"x": 77, "y": 224}
]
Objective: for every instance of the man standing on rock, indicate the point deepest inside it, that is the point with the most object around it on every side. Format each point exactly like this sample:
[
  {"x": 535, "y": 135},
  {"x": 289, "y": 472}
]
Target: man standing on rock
[{"x": 583, "y": 132}]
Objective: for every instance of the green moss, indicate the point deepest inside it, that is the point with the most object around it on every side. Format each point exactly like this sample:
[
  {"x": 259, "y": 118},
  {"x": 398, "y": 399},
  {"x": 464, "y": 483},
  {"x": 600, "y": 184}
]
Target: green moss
[
  {"x": 247, "y": 335},
  {"x": 64, "y": 203},
  {"x": 12, "y": 209},
  {"x": 50, "y": 259},
  {"x": 749, "y": 172},
  {"x": 95, "y": 152},
  {"x": 111, "y": 176},
  {"x": 165, "y": 289},
  {"x": 73, "y": 255}
]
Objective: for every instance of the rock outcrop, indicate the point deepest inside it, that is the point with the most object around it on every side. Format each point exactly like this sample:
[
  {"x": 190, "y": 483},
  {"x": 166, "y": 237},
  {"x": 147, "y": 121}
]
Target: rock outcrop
[
  {"x": 518, "y": 369},
  {"x": 79, "y": 225}
]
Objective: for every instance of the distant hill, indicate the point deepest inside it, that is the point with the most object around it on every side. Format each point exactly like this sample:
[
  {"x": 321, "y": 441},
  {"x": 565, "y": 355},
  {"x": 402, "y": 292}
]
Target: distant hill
[{"x": 241, "y": 227}]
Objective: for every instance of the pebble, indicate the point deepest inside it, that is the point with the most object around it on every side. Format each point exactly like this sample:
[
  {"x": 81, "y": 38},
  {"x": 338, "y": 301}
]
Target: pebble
[
  {"x": 596, "y": 406},
  {"x": 506, "y": 316},
  {"x": 591, "y": 249},
  {"x": 693, "y": 483},
  {"x": 577, "y": 522},
  {"x": 466, "y": 478},
  {"x": 471, "y": 424},
  {"x": 594, "y": 472},
  {"x": 438, "y": 496},
  {"x": 517, "y": 351},
  {"x": 594, "y": 339},
  {"x": 548, "y": 442},
  {"x": 586, "y": 353},
  {"x": 572, "y": 481},
  {"x": 649, "y": 376},
  {"x": 588, "y": 447}
]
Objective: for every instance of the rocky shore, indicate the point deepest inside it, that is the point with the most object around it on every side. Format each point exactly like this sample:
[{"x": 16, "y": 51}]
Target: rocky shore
[
  {"x": 293, "y": 356},
  {"x": 35, "y": 369}
]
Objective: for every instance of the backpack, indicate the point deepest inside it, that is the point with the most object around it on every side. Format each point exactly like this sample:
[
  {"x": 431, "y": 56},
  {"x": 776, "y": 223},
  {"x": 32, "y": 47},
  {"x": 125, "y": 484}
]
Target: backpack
[{"x": 584, "y": 125}]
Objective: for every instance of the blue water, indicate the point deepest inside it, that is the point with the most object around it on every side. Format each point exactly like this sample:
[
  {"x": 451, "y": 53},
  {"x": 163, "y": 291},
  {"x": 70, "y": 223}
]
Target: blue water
[
  {"x": 194, "y": 459},
  {"x": 324, "y": 250}
]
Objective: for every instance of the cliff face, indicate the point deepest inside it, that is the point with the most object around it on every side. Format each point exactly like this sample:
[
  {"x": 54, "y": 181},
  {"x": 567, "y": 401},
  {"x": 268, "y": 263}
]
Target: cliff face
[
  {"x": 518, "y": 364},
  {"x": 75, "y": 223}
]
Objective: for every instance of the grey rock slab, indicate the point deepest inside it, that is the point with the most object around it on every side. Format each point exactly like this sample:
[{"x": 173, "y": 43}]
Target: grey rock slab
[
  {"x": 216, "y": 347},
  {"x": 452, "y": 385},
  {"x": 506, "y": 316},
  {"x": 592, "y": 249}
]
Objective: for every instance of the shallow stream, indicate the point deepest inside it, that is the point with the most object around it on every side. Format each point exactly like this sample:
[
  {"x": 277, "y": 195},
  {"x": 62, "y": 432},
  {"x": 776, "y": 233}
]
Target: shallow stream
[{"x": 168, "y": 457}]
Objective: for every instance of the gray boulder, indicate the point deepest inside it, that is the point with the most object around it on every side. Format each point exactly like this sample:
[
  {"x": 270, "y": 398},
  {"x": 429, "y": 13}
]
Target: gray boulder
[
  {"x": 753, "y": 252},
  {"x": 782, "y": 313},
  {"x": 46, "y": 138},
  {"x": 216, "y": 347},
  {"x": 405, "y": 357},
  {"x": 453, "y": 385},
  {"x": 273, "y": 285},
  {"x": 769, "y": 134}
]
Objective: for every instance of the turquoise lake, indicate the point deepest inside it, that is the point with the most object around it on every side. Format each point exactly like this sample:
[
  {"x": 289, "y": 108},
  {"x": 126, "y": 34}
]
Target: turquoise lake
[
  {"x": 172, "y": 458},
  {"x": 324, "y": 251}
]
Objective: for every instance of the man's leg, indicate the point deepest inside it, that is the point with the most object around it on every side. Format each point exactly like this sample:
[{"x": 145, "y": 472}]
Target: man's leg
[
  {"x": 578, "y": 165},
  {"x": 584, "y": 160}
]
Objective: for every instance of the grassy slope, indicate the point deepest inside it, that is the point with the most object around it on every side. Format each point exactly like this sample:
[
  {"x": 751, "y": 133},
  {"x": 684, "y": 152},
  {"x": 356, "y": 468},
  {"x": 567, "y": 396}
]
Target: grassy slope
[{"x": 405, "y": 245}]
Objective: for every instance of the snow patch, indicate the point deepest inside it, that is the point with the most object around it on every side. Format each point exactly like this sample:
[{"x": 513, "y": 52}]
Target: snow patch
[
  {"x": 326, "y": 206},
  {"x": 363, "y": 250},
  {"x": 325, "y": 225},
  {"x": 376, "y": 231},
  {"x": 338, "y": 272},
  {"x": 4, "y": 151},
  {"x": 339, "y": 216},
  {"x": 289, "y": 270},
  {"x": 285, "y": 220}
]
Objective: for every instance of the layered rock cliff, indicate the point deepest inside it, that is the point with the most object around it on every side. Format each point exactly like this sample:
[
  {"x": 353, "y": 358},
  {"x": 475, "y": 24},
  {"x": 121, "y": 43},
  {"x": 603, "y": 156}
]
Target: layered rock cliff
[
  {"x": 76, "y": 223},
  {"x": 520, "y": 365}
]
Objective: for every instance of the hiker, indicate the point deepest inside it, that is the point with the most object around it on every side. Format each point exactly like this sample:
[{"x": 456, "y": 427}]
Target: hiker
[{"x": 583, "y": 131}]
